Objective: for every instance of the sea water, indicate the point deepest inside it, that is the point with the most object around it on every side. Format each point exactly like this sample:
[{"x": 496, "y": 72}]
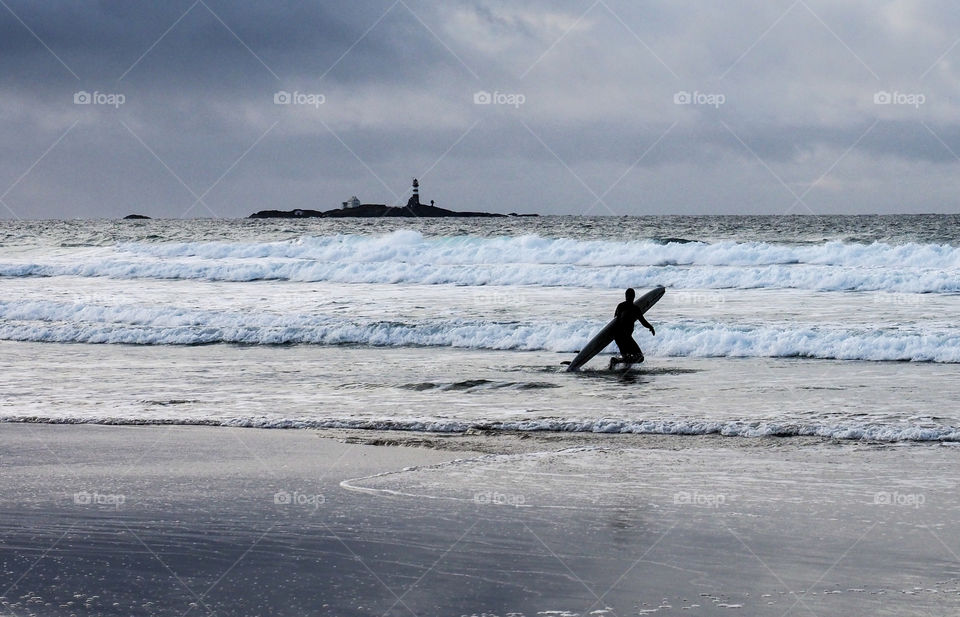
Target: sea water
[{"x": 814, "y": 325}]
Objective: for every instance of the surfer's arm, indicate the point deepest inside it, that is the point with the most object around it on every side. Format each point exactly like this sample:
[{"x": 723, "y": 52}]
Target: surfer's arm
[{"x": 645, "y": 323}]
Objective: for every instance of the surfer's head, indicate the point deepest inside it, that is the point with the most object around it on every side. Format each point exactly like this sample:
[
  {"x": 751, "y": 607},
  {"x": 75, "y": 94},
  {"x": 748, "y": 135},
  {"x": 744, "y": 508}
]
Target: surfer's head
[{"x": 630, "y": 293}]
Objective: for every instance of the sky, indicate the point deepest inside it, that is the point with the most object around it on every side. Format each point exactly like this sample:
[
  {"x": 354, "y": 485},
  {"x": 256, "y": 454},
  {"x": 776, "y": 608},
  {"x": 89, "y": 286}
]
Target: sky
[{"x": 210, "y": 108}]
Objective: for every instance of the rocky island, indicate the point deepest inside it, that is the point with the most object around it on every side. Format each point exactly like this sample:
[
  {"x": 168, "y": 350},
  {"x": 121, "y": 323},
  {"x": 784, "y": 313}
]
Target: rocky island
[{"x": 354, "y": 209}]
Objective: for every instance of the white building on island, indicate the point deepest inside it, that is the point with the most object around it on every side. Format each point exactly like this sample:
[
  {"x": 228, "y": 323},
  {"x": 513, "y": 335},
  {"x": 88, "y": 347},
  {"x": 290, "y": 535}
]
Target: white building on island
[{"x": 353, "y": 202}]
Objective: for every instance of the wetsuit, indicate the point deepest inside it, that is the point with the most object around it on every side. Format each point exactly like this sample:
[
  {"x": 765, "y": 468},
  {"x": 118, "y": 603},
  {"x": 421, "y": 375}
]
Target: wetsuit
[{"x": 626, "y": 314}]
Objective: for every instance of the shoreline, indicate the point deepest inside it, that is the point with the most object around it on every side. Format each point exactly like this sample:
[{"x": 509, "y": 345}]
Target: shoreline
[
  {"x": 425, "y": 432},
  {"x": 525, "y": 442}
]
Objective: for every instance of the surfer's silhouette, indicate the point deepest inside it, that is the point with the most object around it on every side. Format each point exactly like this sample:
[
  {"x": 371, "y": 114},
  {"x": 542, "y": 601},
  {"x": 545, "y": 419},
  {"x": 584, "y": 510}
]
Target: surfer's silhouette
[{"x": 625, "y": 315}]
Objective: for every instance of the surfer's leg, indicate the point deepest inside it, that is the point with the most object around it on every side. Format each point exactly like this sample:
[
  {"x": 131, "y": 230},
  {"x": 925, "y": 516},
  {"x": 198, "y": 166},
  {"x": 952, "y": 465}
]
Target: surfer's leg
[
  {"x": 631, "y": 351},
  {"x": 625, "y": 344}
]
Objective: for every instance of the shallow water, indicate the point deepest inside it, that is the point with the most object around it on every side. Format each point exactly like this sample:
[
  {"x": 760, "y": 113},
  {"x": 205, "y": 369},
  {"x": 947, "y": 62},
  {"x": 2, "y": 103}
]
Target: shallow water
[{"x": 425, "y": 388}]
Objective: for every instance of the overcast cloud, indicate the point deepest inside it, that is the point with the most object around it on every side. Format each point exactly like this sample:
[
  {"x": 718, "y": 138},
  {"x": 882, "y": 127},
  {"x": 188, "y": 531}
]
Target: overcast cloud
[{"x": 605, "y": 107}]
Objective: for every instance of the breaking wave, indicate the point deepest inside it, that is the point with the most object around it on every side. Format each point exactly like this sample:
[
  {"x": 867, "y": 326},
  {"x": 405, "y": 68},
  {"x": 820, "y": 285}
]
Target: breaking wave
[
  {"x": 64, "y": 322},
  {"x": 409, "y": 257},
  {"x": 413, "y": 247}
]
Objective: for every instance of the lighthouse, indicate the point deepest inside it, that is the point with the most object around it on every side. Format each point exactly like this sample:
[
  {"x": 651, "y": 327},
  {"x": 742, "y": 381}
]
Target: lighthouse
[{"x": 415, "y": 197}]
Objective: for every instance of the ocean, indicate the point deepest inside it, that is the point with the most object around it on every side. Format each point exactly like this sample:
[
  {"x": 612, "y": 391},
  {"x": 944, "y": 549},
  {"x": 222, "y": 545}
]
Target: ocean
[{"x": 836, "y": 326}]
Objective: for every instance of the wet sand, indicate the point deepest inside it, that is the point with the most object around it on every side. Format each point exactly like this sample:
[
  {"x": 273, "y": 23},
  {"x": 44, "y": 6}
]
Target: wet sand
[{"x": 171, "y": 520}]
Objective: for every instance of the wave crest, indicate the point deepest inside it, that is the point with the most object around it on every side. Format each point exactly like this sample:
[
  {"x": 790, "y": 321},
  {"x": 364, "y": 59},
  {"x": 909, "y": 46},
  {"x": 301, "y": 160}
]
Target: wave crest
[
  {"x": 46, "y": 321},
  {"x": 408, "y": 257}
]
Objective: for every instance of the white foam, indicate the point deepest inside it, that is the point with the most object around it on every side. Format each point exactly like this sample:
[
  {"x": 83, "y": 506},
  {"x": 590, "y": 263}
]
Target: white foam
[
  {"x": 408, "y": 257},
  {"x": 413, "y": 247},
  {"x": 819, "y": 278},
  {"x": 851, "y": 431},
  {"x": 64, "y": 322}
]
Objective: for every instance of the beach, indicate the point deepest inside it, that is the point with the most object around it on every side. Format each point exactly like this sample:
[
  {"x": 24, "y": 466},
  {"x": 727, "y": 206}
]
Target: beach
[{"x": 158, "y": 520}]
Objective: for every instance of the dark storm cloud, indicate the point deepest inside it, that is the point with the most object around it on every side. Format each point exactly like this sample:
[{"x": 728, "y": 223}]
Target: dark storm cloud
[
  {"x": 106, "y": 40},
  {"x": 775, "y": 91}
]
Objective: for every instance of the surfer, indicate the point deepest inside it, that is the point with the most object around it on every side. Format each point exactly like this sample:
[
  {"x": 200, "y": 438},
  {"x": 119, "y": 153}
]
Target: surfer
[{"x": 624, "y": 316}]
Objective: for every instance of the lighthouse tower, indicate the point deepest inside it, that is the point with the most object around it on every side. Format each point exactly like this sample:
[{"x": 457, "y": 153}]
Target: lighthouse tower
[{"x": 415, "y": 197}]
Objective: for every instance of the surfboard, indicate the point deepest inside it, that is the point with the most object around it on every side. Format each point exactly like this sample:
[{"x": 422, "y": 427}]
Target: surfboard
[{"x": 606, "y": 336}]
